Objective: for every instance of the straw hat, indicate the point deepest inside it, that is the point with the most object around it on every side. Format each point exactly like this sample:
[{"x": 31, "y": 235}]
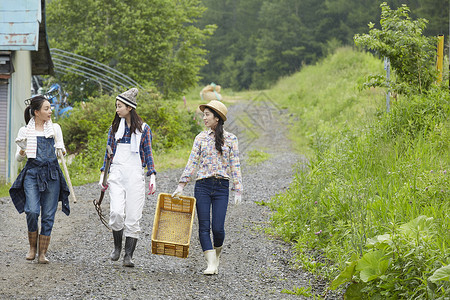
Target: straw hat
[
  {"x": 217, "y": 106},
  {"x": 211, "y": 92},
  {"x": 129, "y": 97}
]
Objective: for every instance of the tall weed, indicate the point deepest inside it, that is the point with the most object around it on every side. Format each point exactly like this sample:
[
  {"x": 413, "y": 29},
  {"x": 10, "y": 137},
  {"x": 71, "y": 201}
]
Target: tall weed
[{"x": 367, "y": 176}]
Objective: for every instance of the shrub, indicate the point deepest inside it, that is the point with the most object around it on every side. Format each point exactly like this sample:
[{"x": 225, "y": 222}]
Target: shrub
[{"x": 410, "y": 53}]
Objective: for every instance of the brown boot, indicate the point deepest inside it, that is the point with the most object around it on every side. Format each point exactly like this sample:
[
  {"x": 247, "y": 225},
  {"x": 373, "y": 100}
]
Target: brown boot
[
  {"x": 44, "y": 241},
  {"x": 32, "y": 239}
]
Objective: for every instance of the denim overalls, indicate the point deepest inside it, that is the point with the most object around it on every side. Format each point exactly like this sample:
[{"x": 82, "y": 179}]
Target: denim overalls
[{"x": 42, "y": 185}]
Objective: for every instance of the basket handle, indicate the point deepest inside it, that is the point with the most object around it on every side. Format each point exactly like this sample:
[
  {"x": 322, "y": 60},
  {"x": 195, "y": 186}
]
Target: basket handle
[{"x": 177, "y": 200}]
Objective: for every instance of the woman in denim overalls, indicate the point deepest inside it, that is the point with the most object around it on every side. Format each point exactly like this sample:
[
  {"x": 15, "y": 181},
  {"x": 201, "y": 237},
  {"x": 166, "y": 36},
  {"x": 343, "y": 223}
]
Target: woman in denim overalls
[{"x": 40, "y": 184}]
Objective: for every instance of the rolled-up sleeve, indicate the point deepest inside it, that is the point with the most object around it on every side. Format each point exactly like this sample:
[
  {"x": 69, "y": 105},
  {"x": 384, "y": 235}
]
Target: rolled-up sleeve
[
  {"x": 146, "y": 150},
  {"x": 235, "y": 166},
  {"x": 112, "y": 143},
  {"x": 20, "y": 135},
  {"x": 193, "y": 160},
  {"x": 59, "y": 140}
]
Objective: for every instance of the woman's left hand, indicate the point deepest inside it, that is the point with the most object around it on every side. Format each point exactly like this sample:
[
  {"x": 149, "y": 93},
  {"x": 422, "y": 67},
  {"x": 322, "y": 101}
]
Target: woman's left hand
[
  {"x": 152, "y": 184},
  {"x": 237, "y": 198},
  {"x": 62, "y": 150}
]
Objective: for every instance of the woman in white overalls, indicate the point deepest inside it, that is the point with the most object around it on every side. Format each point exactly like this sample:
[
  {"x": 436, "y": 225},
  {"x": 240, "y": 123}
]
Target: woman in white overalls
[{"x": 131, "y": 143}]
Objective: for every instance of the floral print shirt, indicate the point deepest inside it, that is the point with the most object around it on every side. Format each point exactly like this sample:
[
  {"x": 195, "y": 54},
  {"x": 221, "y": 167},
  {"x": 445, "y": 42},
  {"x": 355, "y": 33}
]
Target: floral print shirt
[{"x": 209, "y": 161}]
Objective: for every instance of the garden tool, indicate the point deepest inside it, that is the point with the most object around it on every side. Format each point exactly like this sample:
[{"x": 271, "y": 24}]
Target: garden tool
[
  {"x": 66, "y": 172},
  {"x": 97, "y": 203}
]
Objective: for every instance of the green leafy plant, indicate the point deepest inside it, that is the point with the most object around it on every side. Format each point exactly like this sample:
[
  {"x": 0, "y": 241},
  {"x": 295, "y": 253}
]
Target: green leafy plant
[
  {"x": 368, "y": 173},
  {"x": 405, "y": 254},
  {"x": 299, "y": 291},
  {"x": 441, "y": 274},
  {"x": 411, "y": 54}
]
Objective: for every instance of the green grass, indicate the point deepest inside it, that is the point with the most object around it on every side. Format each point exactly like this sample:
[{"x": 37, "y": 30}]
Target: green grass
[
  {"x": 370, "y": 172},
  {"x": 4, "y": 188},
  {"x": 301, "y": 291},
  {"x": 256, "y": 157},
  {"x": 175, "y": 158},
  {"x": 327, "y": 95}
]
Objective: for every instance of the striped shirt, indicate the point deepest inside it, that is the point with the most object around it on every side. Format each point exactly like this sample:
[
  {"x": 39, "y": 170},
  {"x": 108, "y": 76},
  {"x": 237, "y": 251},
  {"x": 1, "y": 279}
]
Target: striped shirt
[
  {"x": 145, "y": 148},
  {"x": 209, "y": 161}
]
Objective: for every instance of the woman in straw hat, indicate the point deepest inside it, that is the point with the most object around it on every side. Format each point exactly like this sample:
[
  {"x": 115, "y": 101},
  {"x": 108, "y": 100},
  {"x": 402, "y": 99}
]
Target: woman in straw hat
[
  {"x": 131, "y": 143},
  {"x": 215, "y": 152},
  {"x": 40, "y": 184}
]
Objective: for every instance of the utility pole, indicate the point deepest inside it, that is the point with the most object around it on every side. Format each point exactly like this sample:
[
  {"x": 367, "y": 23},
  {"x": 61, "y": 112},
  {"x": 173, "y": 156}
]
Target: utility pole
[{"x": 387, "y": 67}]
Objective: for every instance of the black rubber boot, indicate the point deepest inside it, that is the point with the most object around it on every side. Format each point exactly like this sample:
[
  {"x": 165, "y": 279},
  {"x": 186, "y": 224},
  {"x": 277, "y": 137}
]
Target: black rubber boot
[
  {"x": 130, "y": 245},
  {"x": 115, "y": 254}
]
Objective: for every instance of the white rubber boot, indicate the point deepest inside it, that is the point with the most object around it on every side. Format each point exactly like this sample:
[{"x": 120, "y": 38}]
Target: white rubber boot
[
  {"x": 210, "y": 256},
  {"x": 218, "y": 252}
]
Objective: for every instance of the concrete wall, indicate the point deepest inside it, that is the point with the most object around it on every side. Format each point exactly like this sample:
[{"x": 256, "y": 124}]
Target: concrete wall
[
  {"x": 4, "y": 92},
  {"x": 20, "y": 89}
]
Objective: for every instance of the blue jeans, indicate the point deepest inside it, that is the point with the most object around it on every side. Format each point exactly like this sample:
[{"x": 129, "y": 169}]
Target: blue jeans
[
  {"x": 36, "y": 200},
  {"x": 211, "y": 192}
]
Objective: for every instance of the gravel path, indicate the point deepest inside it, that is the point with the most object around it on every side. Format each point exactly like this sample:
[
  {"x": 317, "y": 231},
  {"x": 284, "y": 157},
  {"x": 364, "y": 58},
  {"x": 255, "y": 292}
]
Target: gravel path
[{"x": 253, "y": 264}]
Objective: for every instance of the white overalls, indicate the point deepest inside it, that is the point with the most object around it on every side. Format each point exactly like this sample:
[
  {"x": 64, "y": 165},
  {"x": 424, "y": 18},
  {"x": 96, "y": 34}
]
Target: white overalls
[{"x": 127, "y": 191}]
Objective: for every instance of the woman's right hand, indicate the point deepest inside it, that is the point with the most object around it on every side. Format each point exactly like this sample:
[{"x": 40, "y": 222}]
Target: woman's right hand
[
  {"x": 178, "y": 191},
  {"x": 100, "y": 182},
  {"x": 22, "y": 143}
]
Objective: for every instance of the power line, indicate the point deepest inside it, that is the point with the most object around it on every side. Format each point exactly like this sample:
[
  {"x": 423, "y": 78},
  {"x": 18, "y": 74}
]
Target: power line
[{"x": 68, "y": 62}]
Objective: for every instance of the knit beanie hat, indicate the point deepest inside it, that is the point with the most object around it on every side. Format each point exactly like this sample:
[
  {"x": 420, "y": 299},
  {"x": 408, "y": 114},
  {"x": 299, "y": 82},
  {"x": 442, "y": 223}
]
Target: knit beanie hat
[
  {"x": 129, "y": 97},
  {"x": 211, "y": 92}
]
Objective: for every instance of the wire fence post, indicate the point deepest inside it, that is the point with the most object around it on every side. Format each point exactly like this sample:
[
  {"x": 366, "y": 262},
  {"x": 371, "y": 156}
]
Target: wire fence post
[{"x": 387, "y": 67}]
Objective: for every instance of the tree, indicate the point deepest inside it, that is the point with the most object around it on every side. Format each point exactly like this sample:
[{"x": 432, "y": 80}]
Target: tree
[
  {"x": 258, "y": 41},
  {"x": 232, "y": 48},
  {"x": 151, "y": 41},
  {"x": 401, "y": 40},
  {"x": 285, "y": 40}
]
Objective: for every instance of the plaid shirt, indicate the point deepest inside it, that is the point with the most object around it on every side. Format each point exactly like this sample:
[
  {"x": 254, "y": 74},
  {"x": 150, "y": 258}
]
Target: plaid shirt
[
  {"x": 145, "y": 149},
  {"x": 211, "y": 163}
]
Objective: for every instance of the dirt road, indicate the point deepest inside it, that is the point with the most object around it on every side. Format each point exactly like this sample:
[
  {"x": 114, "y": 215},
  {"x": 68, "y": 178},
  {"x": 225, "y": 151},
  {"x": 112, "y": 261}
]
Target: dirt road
[{"x": 253, "y": 264}]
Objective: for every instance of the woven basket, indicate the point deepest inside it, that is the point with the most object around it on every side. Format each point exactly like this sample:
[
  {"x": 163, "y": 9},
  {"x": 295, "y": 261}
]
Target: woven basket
[{"x": 172, "y": 226}]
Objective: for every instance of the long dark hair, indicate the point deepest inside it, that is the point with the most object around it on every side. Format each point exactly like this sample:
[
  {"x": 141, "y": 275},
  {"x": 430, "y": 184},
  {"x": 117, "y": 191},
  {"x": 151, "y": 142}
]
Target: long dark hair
[
  {"x": 218, "y": 132},
  {"x": 34, "y": 104},
  {"x": 136, "y": 121}
]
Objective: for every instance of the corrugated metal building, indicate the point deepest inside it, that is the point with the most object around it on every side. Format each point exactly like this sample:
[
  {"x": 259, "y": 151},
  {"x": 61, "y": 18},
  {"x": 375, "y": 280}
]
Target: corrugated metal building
[{"x": 24, "y": 52}]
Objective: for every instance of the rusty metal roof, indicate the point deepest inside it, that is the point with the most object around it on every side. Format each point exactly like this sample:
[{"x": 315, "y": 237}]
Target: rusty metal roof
[{"x": 22, "y": 27}]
